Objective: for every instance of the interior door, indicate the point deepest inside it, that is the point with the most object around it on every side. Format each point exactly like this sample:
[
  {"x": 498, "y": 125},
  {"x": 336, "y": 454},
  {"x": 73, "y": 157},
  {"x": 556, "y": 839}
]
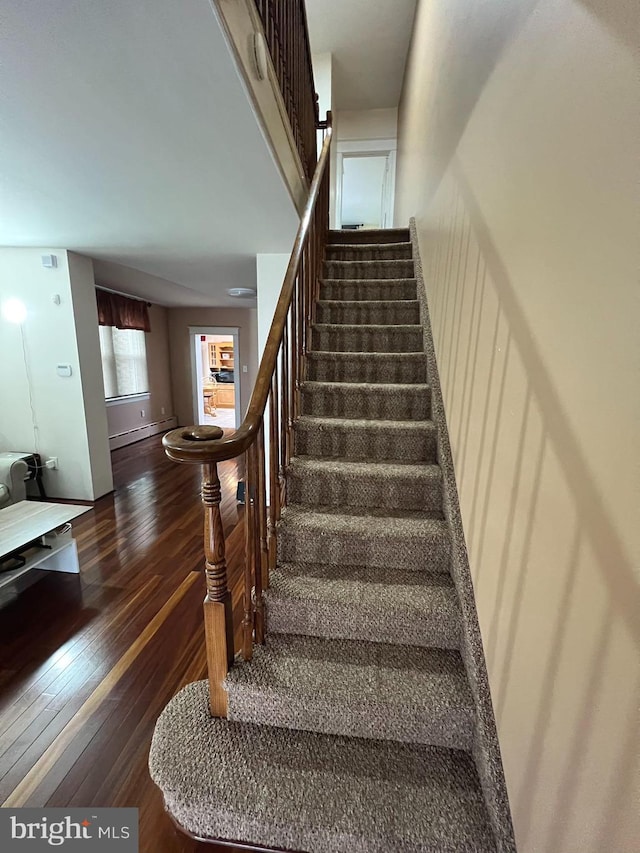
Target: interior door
[{"x": 364, "y": 190}]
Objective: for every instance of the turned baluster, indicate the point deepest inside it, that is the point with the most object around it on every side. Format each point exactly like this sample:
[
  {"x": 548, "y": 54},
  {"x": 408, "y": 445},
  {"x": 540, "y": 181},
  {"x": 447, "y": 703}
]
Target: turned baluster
[
  {"x": 292, "y": 381},
  {"x": 262, "y": 510},
  {"x": 299, "y": 297},
  {"x": 293, "y": 411},
  {"x": 284, "y": 417},
  {"x": 274, "y": 470},
  {"x": 249, "y": 552}
]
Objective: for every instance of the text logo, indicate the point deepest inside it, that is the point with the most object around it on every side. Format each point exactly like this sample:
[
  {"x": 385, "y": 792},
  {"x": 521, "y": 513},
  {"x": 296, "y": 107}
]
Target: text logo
[{"x": 35, "y": 830}]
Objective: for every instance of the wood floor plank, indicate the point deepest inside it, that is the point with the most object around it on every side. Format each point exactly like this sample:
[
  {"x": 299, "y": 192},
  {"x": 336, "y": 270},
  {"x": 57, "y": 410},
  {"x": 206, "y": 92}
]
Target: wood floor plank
[
  {"x": 20, "y": 796},
  {"x": 88, "y": 662}
]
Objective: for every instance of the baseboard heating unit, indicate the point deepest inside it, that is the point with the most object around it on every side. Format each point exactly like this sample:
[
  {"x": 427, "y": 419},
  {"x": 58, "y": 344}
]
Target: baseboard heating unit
[{"x": 120, "y": 439}]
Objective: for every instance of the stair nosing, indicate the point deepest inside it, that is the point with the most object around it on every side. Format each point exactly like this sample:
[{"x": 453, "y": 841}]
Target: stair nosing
[
  {"x": 379, "y": 386},
  {"x": 350, "y": 303},
  {"x": 365, "y": 326},
  {"x": 428, "y": 469}
]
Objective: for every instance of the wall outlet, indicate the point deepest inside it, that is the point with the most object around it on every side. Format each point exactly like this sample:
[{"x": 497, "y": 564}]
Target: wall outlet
[
  {"x": 52, "y": 463},
  {"x": 244, "y": 368},
  {"x": 141, "y": 413},
  {"x": 162, "y": 411}
]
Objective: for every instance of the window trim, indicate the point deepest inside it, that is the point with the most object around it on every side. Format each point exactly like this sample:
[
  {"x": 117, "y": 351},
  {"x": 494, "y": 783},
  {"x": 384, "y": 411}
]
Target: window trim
[{"x": 127, "y": 398}]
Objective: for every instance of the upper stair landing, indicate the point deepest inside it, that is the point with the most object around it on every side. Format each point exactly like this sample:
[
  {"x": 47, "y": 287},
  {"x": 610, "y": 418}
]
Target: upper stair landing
[{"x": 369, "y": 236}]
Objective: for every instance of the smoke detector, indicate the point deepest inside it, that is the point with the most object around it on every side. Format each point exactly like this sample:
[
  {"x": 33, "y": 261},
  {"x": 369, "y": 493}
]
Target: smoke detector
[{"x": 242, "y": 292}]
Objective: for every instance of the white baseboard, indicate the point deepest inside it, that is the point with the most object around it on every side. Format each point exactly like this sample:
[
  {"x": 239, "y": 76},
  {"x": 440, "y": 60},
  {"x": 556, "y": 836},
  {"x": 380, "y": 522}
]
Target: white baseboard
[{"x": 121, "y": 439}]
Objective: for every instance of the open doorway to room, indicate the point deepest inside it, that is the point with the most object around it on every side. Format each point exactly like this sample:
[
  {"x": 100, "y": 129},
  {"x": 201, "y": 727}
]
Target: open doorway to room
[
  {"x": 216, "y": 381},
  {"x": 365, "y": 186},
  {"x": 362, "y": 191}
]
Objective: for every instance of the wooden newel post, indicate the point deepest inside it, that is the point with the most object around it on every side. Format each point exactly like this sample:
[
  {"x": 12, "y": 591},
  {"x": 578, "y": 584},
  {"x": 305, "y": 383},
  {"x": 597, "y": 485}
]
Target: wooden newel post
[
  {"x": 194, "y": 445},
  {"x": 218, "y": 612}
]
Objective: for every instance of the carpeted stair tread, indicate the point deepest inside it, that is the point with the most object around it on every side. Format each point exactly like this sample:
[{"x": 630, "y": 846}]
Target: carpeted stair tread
[
  {"x": 362, "y": 439},
  {"x": 368, "y": 289},
  {"x": 349, "y": 687},
  {"x": 414, "y": 540},
  {"x": 402, "y": 402},
  {"x": 394, "y": 486},
  {"x": 368, "y": 236},
  {"x": 370, "y": 367},
  {"x": 402, "y": 268},
  {"x": 381, "y": 605},
  {"x": 374, "y": 513},
  {"x": 368, "y": 251},
  {"x": 393, "y": 312},
  {"x": 313, "y": 792},
  {"x": 342, "y": 337}
]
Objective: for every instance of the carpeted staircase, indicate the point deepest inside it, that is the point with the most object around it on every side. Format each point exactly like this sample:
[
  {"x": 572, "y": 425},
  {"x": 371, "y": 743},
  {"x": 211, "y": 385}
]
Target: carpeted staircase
[{"x": 352, "y": 729}]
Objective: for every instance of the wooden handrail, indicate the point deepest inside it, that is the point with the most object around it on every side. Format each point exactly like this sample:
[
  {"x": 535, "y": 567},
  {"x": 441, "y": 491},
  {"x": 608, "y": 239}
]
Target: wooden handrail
[
  {"x": 281, "y": 371},
  {"x": 196, "y": 444}
]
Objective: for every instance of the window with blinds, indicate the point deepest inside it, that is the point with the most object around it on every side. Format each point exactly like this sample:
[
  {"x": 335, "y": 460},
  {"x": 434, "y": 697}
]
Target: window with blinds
[{"x": 124, "y": 362}]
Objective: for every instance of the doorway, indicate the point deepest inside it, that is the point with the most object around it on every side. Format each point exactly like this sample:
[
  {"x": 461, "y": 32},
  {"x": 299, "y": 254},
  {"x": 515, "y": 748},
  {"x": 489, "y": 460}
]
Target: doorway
[
  {"x": 216, "y": 381},
  {"x": 362, "y": 191},
  {"x": 365, "y": 186}
]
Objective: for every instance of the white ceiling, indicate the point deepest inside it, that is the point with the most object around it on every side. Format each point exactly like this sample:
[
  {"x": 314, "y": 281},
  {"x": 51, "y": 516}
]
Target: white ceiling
[
  {"x": 369, "y": 40},
  {"x": 126, "y": 134}
]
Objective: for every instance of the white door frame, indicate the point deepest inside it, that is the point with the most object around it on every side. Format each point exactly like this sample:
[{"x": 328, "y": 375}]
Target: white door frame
[
  {"x": 369, "y": 148},
  {"x": 229, "y": 331}
]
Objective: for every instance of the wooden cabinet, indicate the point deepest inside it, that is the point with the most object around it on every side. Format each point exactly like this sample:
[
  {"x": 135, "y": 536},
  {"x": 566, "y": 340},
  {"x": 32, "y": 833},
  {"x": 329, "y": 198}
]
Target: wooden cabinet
[
  {"x": 226, "y": 396},
  {"x": 221, "y": 356}
]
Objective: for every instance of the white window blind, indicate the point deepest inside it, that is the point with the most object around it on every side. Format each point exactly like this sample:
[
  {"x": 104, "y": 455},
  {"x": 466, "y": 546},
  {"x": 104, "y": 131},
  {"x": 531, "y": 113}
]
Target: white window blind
[{"x": 124, "y": 362}]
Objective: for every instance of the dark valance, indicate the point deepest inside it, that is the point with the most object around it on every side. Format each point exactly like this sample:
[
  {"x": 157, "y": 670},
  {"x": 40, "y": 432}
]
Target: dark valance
[{"x": 122, "y": 312}]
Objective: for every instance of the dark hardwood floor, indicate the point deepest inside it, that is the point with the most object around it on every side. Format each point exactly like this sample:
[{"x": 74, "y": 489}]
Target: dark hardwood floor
[{"x": 88, "y": 662}]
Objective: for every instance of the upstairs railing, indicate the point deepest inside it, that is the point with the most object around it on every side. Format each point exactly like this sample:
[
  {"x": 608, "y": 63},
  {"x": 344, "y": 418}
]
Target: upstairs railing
[
  {"x": 273, "y": 408},
  {"x": 285, "y": 27}
]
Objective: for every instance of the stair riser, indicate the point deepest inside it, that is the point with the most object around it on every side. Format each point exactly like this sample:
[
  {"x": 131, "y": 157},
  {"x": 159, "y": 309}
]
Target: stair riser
[
  {"x": 359, "y": 445},
  {"x": 336, "y": 367},
  {"x": 394, "y": 288},
  {"x": 417, "y": 553},
  {"x": 378, "y": 235},
  {"x": 388, "y": 252},
  {"x": 381, "y": 339},
  {"x": 333, "y": 620},
  {"x": 353, "y": 402},
  {"x": 451, "y": 728},
  {"x": 368, "y": 269},
  {"x": 315, "y": 489},
  {"x": 380, "y": 313}
]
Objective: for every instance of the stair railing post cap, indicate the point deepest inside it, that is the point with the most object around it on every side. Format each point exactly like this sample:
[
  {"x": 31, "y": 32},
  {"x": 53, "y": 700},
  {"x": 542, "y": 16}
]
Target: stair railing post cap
[
  {"x": 201, "y": 433},
  {"x": 191, "y": 444}
]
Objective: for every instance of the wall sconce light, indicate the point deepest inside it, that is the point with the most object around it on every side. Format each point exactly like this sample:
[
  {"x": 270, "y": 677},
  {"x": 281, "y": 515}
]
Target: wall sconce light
[{"x": 14, "y": 311}]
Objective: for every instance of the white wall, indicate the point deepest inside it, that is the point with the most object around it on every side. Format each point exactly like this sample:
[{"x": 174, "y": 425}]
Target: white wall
[
  {"x": 518, "y": 154},
  {"x": 368, "y": 124},
  {"x": 323, "y": 79},
  {"x": 270, "y": 271},
  {"x": 325, "y": 82},
  {"x": 85, "y": 316},
  {"x": 65, "y": 425},
  {"x": 359, "y": 131}
]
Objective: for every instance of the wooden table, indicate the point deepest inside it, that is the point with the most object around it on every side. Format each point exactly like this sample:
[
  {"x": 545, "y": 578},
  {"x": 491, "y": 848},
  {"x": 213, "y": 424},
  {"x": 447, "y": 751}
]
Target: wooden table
[{"x": 41, "y": 533}]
